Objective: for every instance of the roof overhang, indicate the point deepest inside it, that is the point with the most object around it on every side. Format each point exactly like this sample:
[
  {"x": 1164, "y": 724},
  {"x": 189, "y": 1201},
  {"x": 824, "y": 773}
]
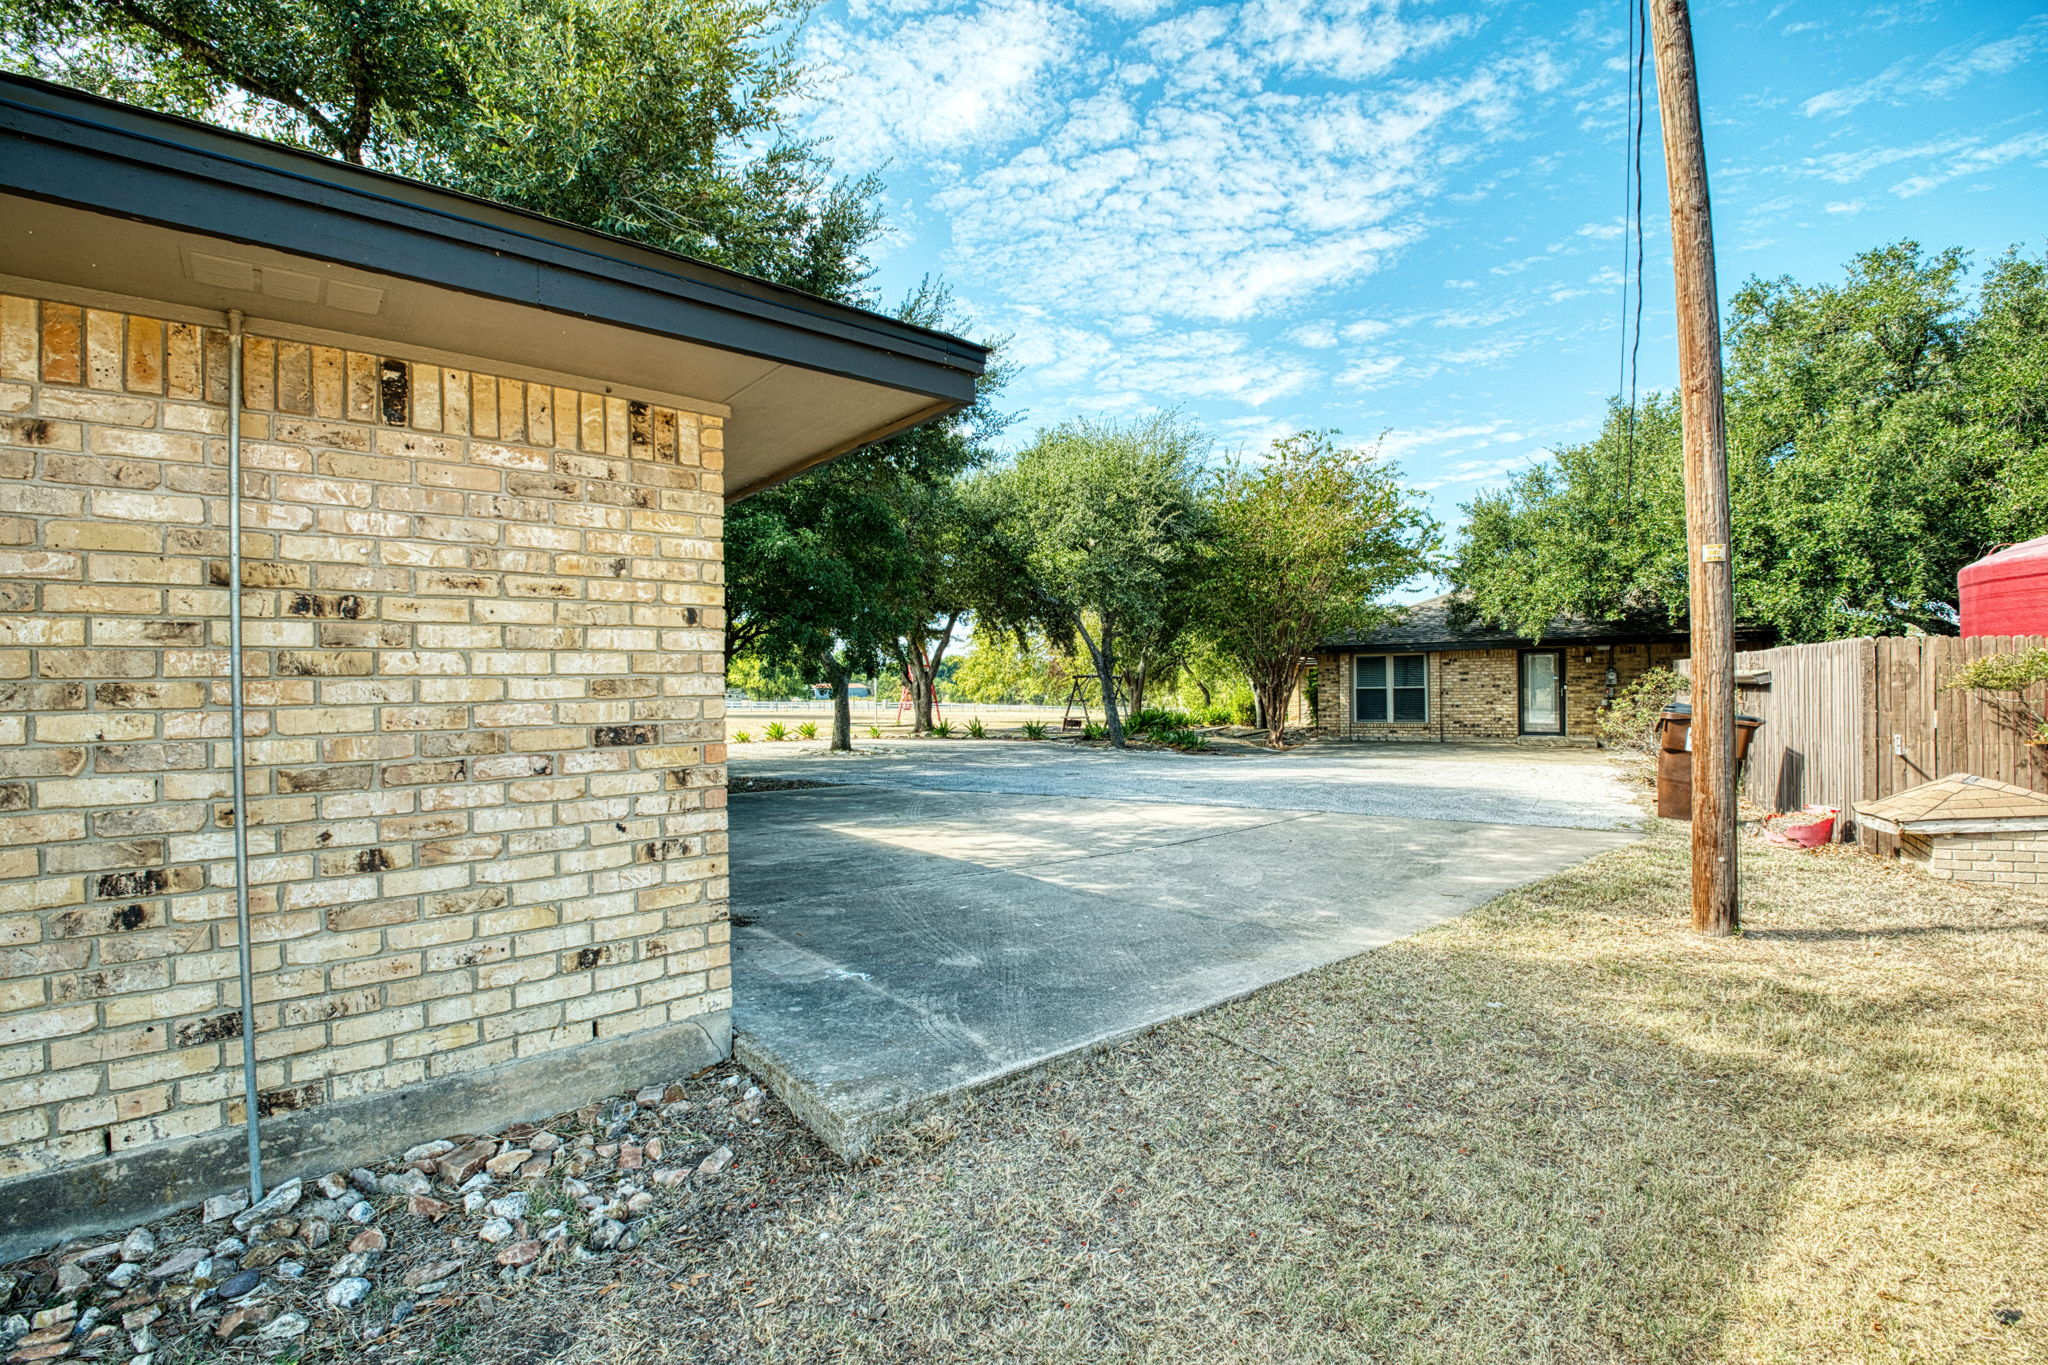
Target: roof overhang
[
  {"x": 97, "y": 196},
  {"x": 2015, "y": 824}
]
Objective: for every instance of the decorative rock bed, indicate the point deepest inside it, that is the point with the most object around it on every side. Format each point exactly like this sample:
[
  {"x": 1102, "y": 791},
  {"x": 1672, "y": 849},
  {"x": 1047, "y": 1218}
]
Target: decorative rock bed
[{"x": 373, "y": 1245}]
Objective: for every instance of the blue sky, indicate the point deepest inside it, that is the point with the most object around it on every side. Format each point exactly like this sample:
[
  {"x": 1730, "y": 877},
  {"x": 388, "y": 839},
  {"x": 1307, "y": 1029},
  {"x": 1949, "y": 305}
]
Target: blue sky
[{"x": 1395, "y": 217}]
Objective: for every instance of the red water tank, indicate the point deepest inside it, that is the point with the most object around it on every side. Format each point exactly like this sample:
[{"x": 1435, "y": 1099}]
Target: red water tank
[{"x": 2007, "y": 593}]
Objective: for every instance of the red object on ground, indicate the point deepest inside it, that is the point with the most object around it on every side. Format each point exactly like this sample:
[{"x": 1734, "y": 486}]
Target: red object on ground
[
  {"x": 1808, "y": 836},
  {"x": 2007, "y": 593}
]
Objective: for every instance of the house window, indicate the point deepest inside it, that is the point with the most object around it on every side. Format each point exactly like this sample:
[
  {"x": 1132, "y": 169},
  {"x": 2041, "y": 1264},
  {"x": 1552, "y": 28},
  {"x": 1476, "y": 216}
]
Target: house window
[{"x": 1391, "y": 687}]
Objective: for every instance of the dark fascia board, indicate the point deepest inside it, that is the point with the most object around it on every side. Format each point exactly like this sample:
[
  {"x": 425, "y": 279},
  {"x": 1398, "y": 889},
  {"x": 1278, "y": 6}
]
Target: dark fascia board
[
  {"x": 1505, "y": 642},
  {"x": 71, "y": 148}
]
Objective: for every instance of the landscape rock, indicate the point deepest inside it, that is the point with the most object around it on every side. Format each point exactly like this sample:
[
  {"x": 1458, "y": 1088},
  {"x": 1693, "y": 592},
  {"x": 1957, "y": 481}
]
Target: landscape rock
[
  {"x": 605, "y": 1233},
  {"x": 314, "y": 1232},
  {"x": 433, "y": 1272},
  {"x": 427, "y": 1207},
  {"x": 716, "y": 1162},
  {"x": 520, "y": 1253},
  {"x": 511, "y": 1206},
  {"x": 125, "y": 1274},
  {"x": 427, "y": 1151},
  {"x": 369, "y": 1239},
  {"x": 362, "y": 1211},
  {"x": 284, "y": 1327},
  {"x": 354, "y": 1263},
  {"x": 239, "y": 1284},
  {"x": 283, "y": 1199},
  {"x": 138, "y": 1245},
  {"x": 73, "y": 1279},
  {"x": 243, "y": 1322},
  {"x": 268, "y": 1254},
  {"x": 536, "y": 1168},
  {"x": 333, "y": 1185},
  {"x": 464, "y": 1162},
  {"x": 543, "y": 1142},
  {"x": 363, "y": 1180},
  {"x": 348, "y": 1295},
  {"x": 222, "y": 1206},
  {"x": 508, "y": 1161},
  {"x": 495, "y": 1231},
  {"x": 177, "y": 1263},
  {"x": 404, "y": 1182}
]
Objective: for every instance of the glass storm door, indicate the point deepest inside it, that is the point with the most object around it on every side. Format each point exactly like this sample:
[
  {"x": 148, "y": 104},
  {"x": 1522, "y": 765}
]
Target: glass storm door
[{"x": 1542, "y": 692}]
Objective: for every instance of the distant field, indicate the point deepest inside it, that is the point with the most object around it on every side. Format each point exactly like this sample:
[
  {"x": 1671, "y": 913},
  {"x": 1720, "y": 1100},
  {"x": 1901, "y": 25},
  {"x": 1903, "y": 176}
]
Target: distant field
[{"x": 752, "y": 716}]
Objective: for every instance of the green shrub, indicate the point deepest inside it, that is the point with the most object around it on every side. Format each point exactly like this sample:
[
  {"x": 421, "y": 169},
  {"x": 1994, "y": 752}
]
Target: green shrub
[
  {"x": 742, "y": 737},
  {"x": 1182, "y": 739},
  {"x": 1629, "y": 722},
  {"x": 976, "y": 730},
  {"x": 1093, "y": 731},
  {"x": 942, "y": 729},
  {"x": 809, "y": 729},
  {"x": 1034, "y": 729},
  {"x": 776, "y": 730},
  {"x": 874, "y": 732},
  {"x": 1153, "y": 719},
  {"x": 2013, "y": 674}
]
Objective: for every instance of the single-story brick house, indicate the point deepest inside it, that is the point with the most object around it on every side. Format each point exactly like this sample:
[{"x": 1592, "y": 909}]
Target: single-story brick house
[
  {"x": 484, "y": 458},
  {"x": 1434, "y": 674}
]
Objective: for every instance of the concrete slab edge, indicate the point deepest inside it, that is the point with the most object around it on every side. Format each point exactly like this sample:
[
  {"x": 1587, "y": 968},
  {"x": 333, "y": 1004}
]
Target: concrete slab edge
[
  {"x": 850, "y": 1137},
  {"x": 116, "y": 1192}
]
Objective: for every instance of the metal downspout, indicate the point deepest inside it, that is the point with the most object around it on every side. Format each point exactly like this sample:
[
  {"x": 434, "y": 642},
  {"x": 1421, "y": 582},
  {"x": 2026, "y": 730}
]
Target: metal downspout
[{"x": 236, "y": 748}]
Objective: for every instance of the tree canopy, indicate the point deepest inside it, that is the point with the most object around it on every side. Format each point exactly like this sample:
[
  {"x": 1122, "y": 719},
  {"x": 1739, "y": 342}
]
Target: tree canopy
[
  {"x": 1103, "y": 525},
  {"x": 1883, "y": 432},
  {"x": 1304, "y": 541},
  {"x": 658, "y": 120},
  {"x": 872, "y": 556}
]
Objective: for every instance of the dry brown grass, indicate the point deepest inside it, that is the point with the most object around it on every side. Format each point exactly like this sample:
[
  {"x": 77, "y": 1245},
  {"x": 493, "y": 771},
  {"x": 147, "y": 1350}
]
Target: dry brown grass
[{"x": 1561, "y": 1129}]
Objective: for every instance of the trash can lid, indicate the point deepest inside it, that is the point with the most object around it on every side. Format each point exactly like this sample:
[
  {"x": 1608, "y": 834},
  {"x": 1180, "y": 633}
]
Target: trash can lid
[{"x": 1684, "y": 708}]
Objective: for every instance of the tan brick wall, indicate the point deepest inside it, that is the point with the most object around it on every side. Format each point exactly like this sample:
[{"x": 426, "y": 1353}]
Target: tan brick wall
[
  {"x": 484, "y": 650},
  {"x": 2018, "y": 858},
  {"x": 1472, "y": 693}
]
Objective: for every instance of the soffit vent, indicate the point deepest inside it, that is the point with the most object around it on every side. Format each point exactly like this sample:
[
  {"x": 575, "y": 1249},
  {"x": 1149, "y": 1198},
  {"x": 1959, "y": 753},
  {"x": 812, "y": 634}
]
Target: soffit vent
[{"x": 295, "y": 286}]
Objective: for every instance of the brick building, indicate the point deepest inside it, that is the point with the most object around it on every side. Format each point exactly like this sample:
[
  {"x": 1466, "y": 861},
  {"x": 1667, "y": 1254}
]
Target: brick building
[
  {"x": 484, "y": 462},
  {"x": 1433, "y": 676}
]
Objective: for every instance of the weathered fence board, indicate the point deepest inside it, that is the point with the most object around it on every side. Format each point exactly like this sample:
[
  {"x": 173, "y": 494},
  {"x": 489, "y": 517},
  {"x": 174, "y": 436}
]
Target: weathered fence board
[{"x": 1855, "y": 720}]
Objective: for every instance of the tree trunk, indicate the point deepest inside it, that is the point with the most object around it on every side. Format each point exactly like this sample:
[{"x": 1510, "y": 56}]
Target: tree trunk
[
  {"x": 1105, "y": 674},
  {"x": 842, "y": 705},
  {"x": 1275, "y": 690}
]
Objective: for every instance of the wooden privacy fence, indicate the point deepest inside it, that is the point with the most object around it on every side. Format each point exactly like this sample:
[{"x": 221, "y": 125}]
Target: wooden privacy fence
[{"x": 1855, "y": 720}]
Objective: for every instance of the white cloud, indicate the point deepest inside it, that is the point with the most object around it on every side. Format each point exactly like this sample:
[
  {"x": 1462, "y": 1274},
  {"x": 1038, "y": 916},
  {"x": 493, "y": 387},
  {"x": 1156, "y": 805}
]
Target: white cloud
[
  {"x": 1199, "y": 184},
  {"x": 942, "y": 80},
  {"x": 1973, "y": 160},
  {"x": 1123, "y": 373},
  {"x": 1914, "y": 79},
  {"x": 1370, "y": 372}
]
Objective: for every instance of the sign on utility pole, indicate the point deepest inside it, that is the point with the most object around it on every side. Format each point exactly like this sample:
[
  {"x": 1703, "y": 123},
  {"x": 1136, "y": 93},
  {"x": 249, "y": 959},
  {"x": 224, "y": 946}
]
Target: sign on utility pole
[{"x": 1709, "y": 571}]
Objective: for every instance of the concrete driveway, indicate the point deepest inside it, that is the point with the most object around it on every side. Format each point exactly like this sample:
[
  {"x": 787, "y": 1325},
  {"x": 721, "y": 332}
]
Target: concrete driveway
[{"x": 960, "y": 912}]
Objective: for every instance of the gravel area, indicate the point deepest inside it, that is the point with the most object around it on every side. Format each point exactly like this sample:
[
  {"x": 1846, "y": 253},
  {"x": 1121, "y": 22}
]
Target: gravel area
[{"x": 1482, "y": 785}]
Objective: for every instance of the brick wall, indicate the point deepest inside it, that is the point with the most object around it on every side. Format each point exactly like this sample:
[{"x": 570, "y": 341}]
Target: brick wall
[
  {"x": 1472, "y": 693},
  {"x": 484, "y": 651},
  {"x": 2018, "y": 858}
]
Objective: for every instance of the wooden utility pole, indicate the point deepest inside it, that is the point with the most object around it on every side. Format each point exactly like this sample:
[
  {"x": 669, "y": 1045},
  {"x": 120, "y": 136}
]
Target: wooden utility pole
[{"x": 1706, "y": 475}]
